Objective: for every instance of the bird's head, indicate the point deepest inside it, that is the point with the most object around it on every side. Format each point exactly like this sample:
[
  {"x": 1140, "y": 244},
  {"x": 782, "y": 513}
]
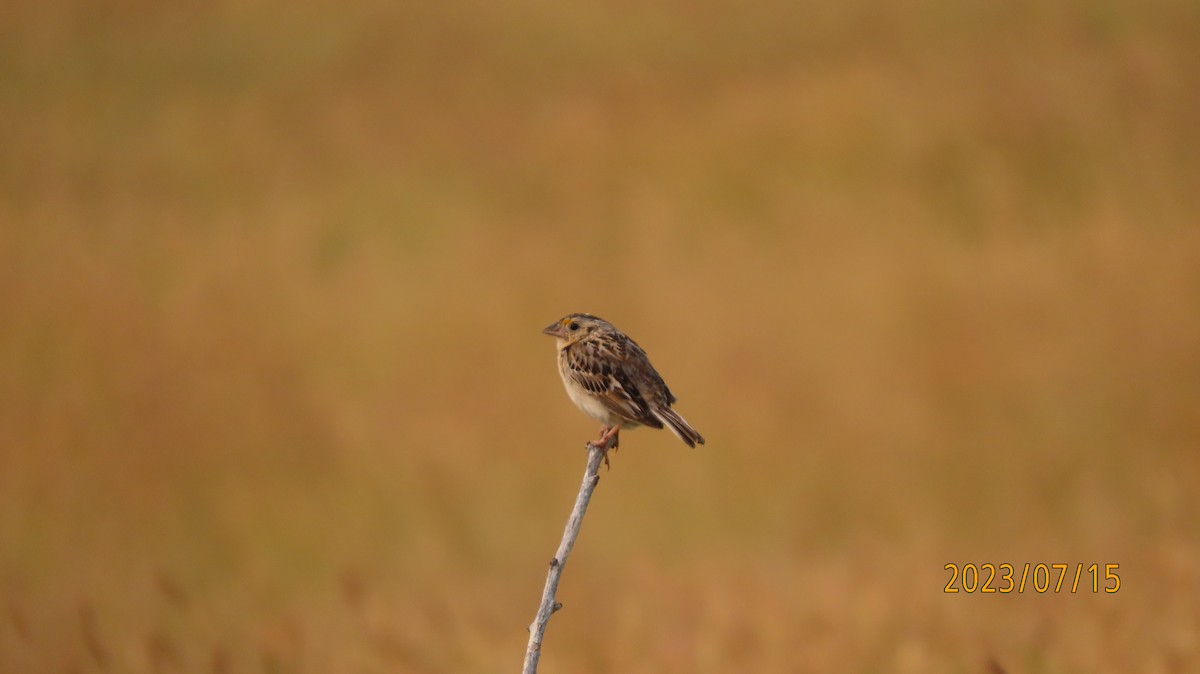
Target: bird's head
[{"x": 574, "y": 327}]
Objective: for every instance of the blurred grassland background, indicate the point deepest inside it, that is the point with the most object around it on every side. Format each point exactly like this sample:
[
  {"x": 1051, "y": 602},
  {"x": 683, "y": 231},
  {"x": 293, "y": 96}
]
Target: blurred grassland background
[{"x": 273, "y": 398}]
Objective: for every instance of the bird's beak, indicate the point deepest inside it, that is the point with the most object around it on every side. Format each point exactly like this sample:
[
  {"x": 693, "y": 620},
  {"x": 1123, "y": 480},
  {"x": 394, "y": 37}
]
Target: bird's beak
[{"x": 554, "y": 329}]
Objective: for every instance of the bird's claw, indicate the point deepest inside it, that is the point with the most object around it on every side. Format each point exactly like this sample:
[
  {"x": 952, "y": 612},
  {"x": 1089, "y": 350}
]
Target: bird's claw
[{"x": 603, "y": 449}]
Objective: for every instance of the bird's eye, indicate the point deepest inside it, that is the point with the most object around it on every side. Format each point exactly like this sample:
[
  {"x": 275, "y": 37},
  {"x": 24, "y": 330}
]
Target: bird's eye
[{"x": 573, "y": 325}]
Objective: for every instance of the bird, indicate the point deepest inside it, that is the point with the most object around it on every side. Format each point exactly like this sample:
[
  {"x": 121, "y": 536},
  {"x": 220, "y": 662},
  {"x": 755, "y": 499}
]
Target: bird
[{"x": 610, "y": 378}]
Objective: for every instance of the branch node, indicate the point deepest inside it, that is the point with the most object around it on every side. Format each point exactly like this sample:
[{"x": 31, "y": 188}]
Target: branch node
[{"x": 557, "y": 607}]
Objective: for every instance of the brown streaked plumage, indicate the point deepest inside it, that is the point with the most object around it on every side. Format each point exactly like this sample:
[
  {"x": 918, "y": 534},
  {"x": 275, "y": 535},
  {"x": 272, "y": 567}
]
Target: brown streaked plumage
[{"x": 609, "y": 377}]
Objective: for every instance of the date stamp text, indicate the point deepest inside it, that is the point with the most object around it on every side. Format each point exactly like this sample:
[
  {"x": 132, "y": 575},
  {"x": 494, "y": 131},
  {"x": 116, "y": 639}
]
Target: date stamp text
[{"x": 1041, "y": 578}]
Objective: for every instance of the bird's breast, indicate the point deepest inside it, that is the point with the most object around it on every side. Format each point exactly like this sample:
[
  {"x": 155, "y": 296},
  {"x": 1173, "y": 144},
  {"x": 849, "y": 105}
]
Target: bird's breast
[{"x": 586, "y": 401}]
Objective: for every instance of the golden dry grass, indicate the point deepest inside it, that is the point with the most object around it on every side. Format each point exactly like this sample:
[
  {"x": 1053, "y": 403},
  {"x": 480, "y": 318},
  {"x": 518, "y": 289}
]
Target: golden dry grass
[{"x": 273, "y": 397}]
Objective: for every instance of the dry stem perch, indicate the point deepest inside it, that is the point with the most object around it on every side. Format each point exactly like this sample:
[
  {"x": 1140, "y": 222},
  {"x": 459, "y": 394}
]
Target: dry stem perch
[{"x": 591, "y": 476}]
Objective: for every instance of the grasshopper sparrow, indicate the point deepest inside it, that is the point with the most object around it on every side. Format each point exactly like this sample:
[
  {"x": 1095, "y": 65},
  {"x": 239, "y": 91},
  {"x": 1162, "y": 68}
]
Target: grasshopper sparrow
[{"x": 609, "y": 377}]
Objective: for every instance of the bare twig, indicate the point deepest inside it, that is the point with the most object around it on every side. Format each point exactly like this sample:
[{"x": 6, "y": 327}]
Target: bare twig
[{"x": 591, "y": 476}]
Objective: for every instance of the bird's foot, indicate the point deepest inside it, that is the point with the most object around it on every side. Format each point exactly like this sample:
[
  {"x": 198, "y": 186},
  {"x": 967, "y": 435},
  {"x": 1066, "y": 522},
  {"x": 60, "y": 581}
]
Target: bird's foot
[
  {"x": 604, "y": 449},
  {"x": 609, "y": 436},
  {"x": 608, "y": 441}
]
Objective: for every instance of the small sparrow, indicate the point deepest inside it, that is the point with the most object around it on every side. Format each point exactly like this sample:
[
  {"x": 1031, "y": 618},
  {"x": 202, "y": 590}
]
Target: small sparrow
[{"x": 609, "y": 377}]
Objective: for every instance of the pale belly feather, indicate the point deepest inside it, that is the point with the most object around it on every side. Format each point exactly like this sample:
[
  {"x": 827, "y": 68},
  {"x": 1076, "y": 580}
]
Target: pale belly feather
[{"x": 591, "y": 406}]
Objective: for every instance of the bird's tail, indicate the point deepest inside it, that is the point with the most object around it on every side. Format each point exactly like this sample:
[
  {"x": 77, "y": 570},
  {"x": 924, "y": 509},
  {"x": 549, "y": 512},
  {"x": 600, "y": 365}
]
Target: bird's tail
[{"x": 678, "y": 426}]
